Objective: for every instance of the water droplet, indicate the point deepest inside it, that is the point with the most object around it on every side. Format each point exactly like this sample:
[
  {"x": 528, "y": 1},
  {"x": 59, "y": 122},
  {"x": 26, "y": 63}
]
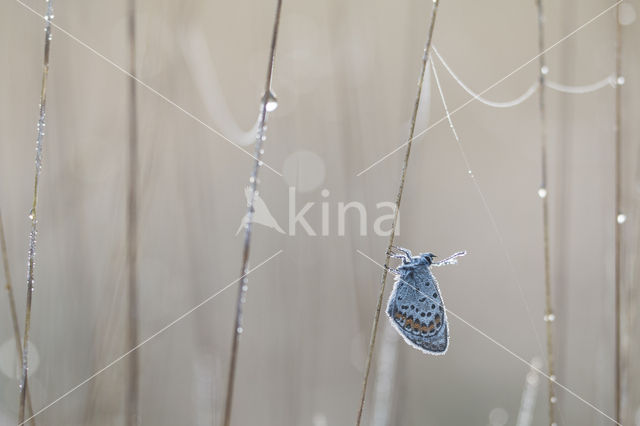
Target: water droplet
[
  {"x": 252, "y": 179},
  {"x": 32, "y": 214},
  {"x": 620, "y": 80},
  {"x": 553, "y": 400},
  {"x": 542, "y": 193},
  {"x": 544, "y": 70},
  {"x": 239, "y": 330},
  {"x": 552, "y": 378},
  {"x": 272, "y": 102},
  {"x": 549, "y": 318},
  {"x": 622, "y": 218},
  {"x": 245, "y": 287}
]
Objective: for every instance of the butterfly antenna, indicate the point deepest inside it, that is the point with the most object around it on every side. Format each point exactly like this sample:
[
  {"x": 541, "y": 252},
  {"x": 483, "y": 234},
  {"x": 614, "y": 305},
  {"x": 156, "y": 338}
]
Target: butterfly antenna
[{"x": 451, "y": 259}]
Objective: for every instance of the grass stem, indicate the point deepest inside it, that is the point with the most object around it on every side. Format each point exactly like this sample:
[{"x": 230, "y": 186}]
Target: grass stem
[
  {"x": 544, "y": 195},
  {"x": 132, "y": 393},
  {"x": 12, "y": 307},
  {"x": 618, "y": 215},
  {"x": 403, "y": 174},
  {"x": 31, "y": 257},
  {"x": 268, "y": 103}
]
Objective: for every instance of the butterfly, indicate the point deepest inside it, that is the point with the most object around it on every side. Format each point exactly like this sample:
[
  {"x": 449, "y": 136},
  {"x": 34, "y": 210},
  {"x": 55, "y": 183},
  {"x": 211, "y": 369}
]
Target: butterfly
[{"x": 415, "y": 307}]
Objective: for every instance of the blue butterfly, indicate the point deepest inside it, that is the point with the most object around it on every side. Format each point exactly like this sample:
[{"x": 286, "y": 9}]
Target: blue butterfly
[{"x": 415, "y": 307}]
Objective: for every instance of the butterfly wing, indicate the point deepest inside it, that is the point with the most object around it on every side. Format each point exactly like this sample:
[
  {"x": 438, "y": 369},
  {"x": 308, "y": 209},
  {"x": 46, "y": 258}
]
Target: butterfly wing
[{"x": 416, "y": 310}]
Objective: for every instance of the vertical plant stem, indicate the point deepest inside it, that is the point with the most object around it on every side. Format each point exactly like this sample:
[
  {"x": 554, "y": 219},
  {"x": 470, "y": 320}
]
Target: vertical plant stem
[
  {"x": 619, "y": 215},
  {"x": 32, "y": 215},
  {"x": 549, "y": 316},
  {"x": 268, "y": 103},
  {"x": 12, "y": 308},
  {"x": 132, "y": 394},
  {"x": 403, "y": 175}
]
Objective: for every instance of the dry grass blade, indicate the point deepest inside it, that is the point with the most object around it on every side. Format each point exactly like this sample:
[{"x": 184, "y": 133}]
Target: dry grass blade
[
  {"x": 543, "y": 192},
  {"x": 619, "y": 215},
  {"x": 33, "y": 214},
  {"x": 132, "y": 393},
  {"x": 12, "y": 307},
  {"x": 403, "y": 174},
  {"x": 267, "y": 105}
]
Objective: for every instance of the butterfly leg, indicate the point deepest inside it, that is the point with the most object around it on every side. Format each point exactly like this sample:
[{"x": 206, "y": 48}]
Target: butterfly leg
[
  {"x": 404, "y": 254},
  {"x": 392, "y": 270},
  {"x": 407, "y": 252},
  {"x": 396, "y": 255}
]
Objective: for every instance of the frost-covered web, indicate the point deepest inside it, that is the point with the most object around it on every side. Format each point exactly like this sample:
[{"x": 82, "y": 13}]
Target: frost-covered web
[
  {"x": 576, "y": 90},
  {"x": 567, "y": 89},
  {"x": 588, "y": 88},
  {"x": 494, "y": 224},
  {"x": 456, "y": 109},
  {"x": 506, "y": 104}
]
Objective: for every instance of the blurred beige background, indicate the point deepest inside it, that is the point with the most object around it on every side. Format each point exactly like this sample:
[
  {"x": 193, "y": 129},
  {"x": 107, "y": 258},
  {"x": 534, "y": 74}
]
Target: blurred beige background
[{"x": 345, "y": 79}]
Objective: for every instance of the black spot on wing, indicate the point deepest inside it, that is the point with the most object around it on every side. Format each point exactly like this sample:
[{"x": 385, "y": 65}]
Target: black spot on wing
[{"x": 437, "y": 343}]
